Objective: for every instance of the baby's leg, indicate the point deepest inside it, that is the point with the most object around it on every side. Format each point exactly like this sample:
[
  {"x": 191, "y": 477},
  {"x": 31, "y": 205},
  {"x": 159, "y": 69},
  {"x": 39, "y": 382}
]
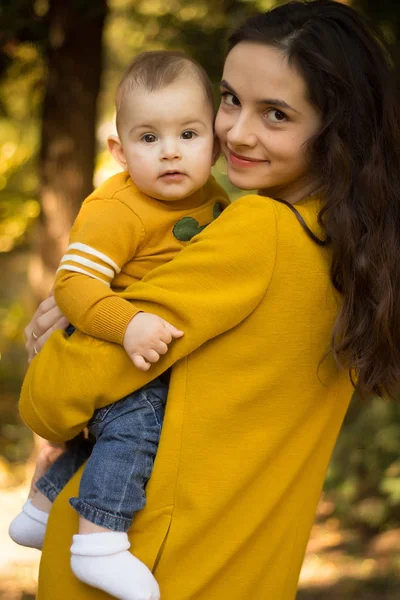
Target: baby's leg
[
  {"x": 29, "y": 527},
  {"x": 112, "y": 491}
]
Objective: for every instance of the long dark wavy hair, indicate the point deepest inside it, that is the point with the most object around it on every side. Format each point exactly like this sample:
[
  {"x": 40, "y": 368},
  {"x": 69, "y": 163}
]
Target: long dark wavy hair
[{"x": 350, "y": 80}]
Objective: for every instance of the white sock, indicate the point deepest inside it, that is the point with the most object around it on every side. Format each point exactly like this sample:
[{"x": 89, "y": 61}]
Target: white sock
[
  {"x": 28, "y": 528},
  {"x": 102, "y": 560}
]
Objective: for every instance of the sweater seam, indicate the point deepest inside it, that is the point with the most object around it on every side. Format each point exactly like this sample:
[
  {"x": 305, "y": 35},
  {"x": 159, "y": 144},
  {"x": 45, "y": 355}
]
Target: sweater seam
[
  {"x": 112, "y": 198},
  {"x": 120, "y": 189},
  {"x": 179, "y": 461}
]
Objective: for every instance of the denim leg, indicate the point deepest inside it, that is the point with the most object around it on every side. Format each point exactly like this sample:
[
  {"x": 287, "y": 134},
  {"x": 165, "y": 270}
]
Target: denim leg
[
  {"x": 127, "y": 434},
  {"x": 69, "y": 330},
  {"x": 66, "y": 465}
]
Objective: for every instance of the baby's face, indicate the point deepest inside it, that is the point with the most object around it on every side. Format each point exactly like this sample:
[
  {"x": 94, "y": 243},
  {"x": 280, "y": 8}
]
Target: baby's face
[{"x": 167, "y": 138}]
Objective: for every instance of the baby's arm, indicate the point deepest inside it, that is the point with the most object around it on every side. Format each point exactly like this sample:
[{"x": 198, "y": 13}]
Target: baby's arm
[{"x": 105, "y": 236}]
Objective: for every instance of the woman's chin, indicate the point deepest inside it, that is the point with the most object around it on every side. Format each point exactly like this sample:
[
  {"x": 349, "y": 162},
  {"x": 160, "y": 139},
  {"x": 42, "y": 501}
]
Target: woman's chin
[{"x": 241, "y": 182}]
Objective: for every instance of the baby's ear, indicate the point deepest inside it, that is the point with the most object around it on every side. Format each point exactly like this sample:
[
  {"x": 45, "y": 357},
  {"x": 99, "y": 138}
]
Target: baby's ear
[
  {"x": 117, "y": 151},
  {"x": 216, "y": 150}
]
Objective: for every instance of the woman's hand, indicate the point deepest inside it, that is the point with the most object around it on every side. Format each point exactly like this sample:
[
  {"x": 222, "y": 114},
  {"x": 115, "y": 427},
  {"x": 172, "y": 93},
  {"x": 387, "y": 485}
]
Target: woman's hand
[
  {"x": 48, "y": 454},
  {"x": 147, "y": 337},
  {"x": 47, "y": 318}
]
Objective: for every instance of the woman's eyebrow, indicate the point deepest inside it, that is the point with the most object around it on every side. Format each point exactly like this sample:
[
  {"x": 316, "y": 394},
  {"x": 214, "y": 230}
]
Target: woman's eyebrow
[
  {"x": 277, "y": 102},
  {"x": 269, "y": 101},
  {"x": 226, "y": 85}
]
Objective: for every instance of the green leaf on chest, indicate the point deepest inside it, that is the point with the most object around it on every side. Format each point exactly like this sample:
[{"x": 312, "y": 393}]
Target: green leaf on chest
[{"x": 187, "y": 227}]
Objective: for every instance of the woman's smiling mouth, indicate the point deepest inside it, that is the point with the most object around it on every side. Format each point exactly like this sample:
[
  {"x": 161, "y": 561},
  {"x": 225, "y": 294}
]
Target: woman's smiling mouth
[{"x": 238, "y": 160}]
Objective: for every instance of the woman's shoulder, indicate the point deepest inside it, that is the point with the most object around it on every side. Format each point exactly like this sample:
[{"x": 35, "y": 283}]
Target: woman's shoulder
[
  {"x": 281, "y": 211},
  {"x": 298, "y": 222},
  {"x": 311, "y": 203},
  {"x": 250, "y": 213},
  {"x": 252, "y": 206},
  {"x": 253, "y": 199}
]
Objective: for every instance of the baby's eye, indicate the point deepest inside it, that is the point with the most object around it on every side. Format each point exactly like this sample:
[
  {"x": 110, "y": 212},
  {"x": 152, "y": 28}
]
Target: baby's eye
[
  {"x": 149, "y": 138},
  {"x": 188, "y": 135},
  {"x": 276, "y": 116},
  {"x": 229, "y": 99}
]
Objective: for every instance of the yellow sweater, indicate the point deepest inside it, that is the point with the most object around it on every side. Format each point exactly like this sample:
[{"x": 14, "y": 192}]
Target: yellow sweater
[
  {"x": 251, "y": 418},
  {"x": 119, "y": 235}
]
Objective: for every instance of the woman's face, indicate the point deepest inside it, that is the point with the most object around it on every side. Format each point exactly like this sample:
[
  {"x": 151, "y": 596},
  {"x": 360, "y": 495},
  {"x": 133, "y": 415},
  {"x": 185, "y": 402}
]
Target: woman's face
[{"x": 264, "y": 121}]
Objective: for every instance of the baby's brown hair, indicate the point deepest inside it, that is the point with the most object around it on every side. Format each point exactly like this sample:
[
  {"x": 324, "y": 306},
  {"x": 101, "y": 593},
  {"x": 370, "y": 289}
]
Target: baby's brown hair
[{"x": 158, "y": 69}]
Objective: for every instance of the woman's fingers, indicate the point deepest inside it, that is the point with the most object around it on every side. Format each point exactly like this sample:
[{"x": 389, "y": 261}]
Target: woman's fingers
[
  {"x": 43, "y": 308},
  {"x": 34, "y": 346},
  {"x": 60, "y": 324},
  {"x": 47, "y": 318}
]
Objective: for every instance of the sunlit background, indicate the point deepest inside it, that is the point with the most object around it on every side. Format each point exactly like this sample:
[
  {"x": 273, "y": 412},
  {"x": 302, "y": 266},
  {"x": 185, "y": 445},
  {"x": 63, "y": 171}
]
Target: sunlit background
[{"x": 58, "y": 60}]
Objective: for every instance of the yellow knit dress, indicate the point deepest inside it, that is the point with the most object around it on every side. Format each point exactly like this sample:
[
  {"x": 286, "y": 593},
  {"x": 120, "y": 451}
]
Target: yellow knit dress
[{"x": 252, "y": 415}]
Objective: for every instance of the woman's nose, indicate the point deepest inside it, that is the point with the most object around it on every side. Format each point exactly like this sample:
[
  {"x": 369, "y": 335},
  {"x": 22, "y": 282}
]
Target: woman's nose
[{"x": 241, "y": 133}]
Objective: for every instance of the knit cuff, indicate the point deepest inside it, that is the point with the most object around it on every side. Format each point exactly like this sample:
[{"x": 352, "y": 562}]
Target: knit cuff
[{"x": 111, "y": 319}]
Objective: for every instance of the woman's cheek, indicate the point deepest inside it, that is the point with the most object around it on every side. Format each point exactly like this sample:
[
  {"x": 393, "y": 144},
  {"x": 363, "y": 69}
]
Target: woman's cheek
[{"x": 221, "y": 125}]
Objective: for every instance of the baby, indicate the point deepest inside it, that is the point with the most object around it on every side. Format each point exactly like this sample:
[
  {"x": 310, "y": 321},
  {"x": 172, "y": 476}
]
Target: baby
[{"x": 135, "y": 221}]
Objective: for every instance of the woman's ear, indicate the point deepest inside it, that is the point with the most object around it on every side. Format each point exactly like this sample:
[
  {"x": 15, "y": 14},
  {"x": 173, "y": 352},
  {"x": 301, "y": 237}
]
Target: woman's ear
[
  {"x": 216, "y": 150},
  {"x": 117, "y": 151}
]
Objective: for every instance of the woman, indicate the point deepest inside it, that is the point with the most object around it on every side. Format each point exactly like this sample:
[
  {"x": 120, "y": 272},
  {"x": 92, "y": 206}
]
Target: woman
[{"x": 280, "y": 299}]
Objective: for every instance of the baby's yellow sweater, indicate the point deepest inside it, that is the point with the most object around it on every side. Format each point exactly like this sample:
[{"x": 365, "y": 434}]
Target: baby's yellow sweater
[
  {"x": 119, "y": 235},
  {"x": 251, "y": 418}
]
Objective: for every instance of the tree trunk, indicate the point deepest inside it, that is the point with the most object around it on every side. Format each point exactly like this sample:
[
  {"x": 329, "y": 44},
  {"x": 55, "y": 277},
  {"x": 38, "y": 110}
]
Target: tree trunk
[{"x": 74, "y": 59}]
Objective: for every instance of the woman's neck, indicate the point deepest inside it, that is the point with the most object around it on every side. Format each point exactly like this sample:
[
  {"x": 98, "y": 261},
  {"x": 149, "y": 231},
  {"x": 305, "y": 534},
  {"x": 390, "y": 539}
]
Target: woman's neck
[{"x": 295, "y": 192}]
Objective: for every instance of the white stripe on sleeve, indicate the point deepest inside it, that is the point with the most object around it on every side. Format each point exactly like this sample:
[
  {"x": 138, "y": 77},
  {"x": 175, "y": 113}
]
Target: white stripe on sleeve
[
  {"x": 78, "y": 270},
  {"x": 88, "y": 263},
  {"x": 89, "y": 250}
]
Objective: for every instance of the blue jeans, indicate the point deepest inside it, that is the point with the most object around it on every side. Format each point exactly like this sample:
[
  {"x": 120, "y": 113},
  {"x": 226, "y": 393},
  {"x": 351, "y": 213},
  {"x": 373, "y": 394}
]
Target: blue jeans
[{"x": 119, "y": 463}]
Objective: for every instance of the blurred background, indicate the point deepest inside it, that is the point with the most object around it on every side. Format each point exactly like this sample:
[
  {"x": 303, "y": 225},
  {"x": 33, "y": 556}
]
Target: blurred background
[{"x": 60, "y": 62}]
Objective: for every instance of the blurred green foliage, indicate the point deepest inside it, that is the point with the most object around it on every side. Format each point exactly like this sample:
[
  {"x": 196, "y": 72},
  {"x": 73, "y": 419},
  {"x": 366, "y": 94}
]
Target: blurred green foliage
[
  {"x": 364, "y": 475},
  {"x": 20, "y": 96}
]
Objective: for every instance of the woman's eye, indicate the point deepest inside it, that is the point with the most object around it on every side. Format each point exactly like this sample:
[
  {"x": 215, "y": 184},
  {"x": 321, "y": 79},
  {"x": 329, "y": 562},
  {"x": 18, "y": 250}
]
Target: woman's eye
[
  {"x": 149, "y": 138},
  {"x": 229, "y": 99},
  {"x": 276, "y": 116},
  {"x": 188, "y": 135}
]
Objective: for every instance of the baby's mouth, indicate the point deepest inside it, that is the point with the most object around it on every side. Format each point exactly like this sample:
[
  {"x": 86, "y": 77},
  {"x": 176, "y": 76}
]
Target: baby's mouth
[{"x": 172, "y": 175}]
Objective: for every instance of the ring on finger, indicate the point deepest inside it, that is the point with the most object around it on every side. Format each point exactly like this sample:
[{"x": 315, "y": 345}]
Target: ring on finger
[
  {"x": 36, "y": 351},
  {"x": 35, "y": 337}
]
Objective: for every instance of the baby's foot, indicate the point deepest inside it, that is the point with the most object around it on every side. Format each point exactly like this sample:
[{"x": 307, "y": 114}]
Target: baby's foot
[
  {"x": 28, "y": 528},
  {"x": 102, "y": 560}
]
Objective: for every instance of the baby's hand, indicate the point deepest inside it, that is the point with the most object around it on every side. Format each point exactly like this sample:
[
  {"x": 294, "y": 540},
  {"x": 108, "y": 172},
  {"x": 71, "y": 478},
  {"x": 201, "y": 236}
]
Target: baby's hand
[{"x": 147, "y": 337}]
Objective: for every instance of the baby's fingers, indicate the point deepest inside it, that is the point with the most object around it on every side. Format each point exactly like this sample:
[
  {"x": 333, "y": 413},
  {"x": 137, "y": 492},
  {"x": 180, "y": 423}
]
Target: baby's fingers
[
  {"x": 175, "y": 332},
  {"x": 152, "y": 356},
  {"x": 161, "y": 347},
  {"x": 170, "y": 332},
  {"x": 140, "y": 363}
]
